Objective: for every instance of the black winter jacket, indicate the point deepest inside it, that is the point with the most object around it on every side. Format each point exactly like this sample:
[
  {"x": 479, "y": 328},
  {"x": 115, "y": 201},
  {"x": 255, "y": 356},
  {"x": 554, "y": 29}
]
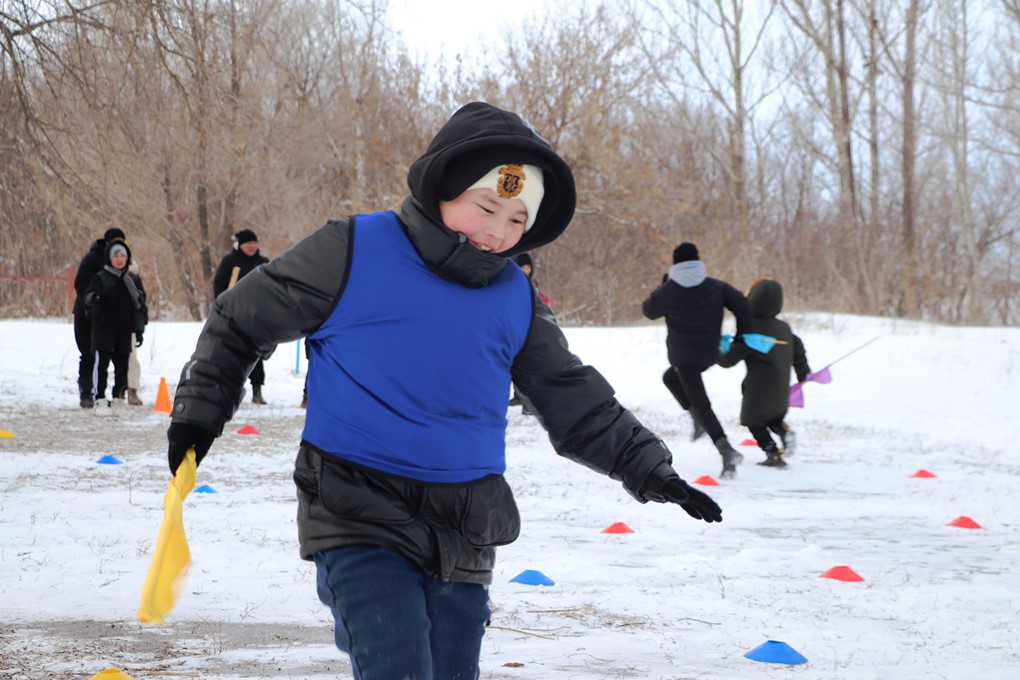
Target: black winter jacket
[
  {"x": 235, "y": 258},
  {"x": 90, "y": 264},
  {"x": 766, "y": 388},
  {"x": 449, "y": 531},
  {"x": 694, "y": 316},
  {"x": 112, "y": 311}
]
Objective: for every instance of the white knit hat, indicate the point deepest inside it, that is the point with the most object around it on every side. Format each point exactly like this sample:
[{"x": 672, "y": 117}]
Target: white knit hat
[{"x": 512, "y": 180}]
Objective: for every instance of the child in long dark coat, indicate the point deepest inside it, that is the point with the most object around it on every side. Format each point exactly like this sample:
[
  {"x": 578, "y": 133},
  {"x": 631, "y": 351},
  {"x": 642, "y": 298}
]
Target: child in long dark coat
[
  {"x": 766, "y": 388},
  {"x": 115, "y": 299}
]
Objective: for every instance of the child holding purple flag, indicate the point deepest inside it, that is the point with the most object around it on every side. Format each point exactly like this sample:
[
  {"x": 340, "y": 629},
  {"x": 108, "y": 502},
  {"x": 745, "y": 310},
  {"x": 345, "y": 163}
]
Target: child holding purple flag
[{"x": 766, "y": 388}]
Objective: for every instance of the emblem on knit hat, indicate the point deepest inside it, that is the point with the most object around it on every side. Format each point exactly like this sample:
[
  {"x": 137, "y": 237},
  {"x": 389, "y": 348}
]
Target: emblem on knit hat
[{"x": 511, "y": 180}]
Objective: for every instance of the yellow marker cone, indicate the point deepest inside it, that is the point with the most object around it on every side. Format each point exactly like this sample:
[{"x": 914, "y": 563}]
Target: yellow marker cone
[
  {"x": 6, "y": 434},
  {"x": 111, "y": 674},
  {"x": 170, "y": 556}
]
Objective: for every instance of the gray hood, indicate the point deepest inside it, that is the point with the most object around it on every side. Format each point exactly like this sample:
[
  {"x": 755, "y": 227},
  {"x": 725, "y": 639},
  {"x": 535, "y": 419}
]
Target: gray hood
[{"x": 687, "y": 274}]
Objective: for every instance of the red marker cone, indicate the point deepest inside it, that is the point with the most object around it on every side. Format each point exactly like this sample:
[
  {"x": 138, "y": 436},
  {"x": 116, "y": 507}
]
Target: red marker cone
[
  {"x": 706, "y": 480},
  {"x": 618, "y": 528},
  {"x": 924, "y": 474},
  {"x": 749, "y": 442},
  {"x": 842, "y": 574},
  {"x": 964, "y": 522},
  {"x": 248, "y": 429}
]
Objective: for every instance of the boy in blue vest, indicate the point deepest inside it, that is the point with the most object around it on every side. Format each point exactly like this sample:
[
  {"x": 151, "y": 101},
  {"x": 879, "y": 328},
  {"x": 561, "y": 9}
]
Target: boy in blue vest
[{"x": 418, "y": 323}]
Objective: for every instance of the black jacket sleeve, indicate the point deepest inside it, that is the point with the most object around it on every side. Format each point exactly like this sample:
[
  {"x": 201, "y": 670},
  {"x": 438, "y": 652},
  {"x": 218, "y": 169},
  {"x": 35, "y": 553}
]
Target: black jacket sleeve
[
  {"x": 738, "y": 305},
  {"x": 281, "y": 301},
  {"x": 800, "y": 362},
  {"x": 578, "y": 408}
]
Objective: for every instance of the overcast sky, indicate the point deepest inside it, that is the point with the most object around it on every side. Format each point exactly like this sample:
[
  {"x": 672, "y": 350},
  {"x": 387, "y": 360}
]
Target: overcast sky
[{"x": 445, "y": 27}]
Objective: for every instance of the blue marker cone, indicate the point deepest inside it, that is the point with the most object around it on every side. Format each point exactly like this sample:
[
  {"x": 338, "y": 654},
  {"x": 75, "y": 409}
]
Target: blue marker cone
[
  {"x": 109, "y": 460},
  {"x": 775, "y": 651},
  {"x": 530, "y": 577},
  {"x": 205, "y": 488}
]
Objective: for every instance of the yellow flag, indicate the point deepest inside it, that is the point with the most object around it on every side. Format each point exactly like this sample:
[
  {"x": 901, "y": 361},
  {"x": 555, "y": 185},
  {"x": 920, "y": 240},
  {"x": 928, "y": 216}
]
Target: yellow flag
[{"x": 171, "y": 555}]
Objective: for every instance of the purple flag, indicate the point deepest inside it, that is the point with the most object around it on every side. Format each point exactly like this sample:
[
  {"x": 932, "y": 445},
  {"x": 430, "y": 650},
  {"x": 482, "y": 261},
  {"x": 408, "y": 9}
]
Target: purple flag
[
  {"x": 822, "y": 377},
  {"x": 796, "y": 396}
]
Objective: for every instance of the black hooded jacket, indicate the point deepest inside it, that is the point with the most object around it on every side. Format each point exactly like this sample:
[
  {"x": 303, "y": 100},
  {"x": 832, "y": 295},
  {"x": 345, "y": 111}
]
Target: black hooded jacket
[
  {"x": 114, "y": 312},
  {"x": 449, "y": 531},
  {"x": 766, "y": 388},
  {"x": 90, "y": 264}
]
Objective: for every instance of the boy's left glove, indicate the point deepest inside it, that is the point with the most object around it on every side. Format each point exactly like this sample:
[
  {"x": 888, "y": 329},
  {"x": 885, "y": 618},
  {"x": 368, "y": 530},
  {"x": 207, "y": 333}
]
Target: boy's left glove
[{"x": 664, "y": 485}]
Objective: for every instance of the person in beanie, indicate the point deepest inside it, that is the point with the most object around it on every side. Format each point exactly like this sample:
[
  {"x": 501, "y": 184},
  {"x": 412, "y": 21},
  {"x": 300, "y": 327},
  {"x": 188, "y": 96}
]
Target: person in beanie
[
  {"x": 234, "y": 266},
  {"x": 418, "y": 322},
  {"x": 766, "y": 388},
  {"x": 115, "y": 299},
  {"x": 93, "y": 261},
  {"x": 693, "y": 305}
]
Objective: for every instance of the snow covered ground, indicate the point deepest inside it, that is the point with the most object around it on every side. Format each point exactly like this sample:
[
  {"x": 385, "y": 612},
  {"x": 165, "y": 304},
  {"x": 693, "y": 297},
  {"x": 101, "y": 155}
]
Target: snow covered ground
[{"x": 674, "y": 599}]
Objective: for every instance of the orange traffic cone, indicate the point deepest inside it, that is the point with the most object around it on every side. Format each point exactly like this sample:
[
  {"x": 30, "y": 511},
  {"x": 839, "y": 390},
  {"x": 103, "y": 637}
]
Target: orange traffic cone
[{"x": 162, "y": 399}]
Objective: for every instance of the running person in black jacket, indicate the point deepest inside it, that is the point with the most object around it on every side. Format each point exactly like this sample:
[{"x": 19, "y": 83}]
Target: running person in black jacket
[
  {"x": 766, "y": 388},
  {"x": 693, "y": 305},
  {"x": 418, "y": 323}
]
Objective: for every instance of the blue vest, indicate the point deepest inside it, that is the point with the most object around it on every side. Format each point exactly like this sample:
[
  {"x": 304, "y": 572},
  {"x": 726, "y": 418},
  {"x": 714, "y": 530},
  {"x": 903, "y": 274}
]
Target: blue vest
[{"x": 410, "y": 374}]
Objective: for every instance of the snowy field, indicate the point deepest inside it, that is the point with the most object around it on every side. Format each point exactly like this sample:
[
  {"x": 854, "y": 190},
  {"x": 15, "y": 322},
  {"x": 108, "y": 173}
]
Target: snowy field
[{"x": 674, "y": 599}]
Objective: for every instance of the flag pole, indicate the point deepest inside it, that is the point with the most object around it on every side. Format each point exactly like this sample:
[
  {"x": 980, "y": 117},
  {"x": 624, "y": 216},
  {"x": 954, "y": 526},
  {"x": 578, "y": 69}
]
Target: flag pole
[{"x": 856, "y": 349}]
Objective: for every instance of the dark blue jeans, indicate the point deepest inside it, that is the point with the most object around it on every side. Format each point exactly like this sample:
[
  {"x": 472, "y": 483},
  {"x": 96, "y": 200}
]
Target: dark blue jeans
[{"x": 395, "y": 621}]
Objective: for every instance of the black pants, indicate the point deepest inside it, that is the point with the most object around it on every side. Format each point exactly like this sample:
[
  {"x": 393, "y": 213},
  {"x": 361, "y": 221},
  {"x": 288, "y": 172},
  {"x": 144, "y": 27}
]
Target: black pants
[
  {"x": 120, "y": 371},
  {"x": 258, "y": 375},
  {"x": 762, "y": 436},
  {"x": 687, "y": 387},
  {"x": 86, "y": 357}
]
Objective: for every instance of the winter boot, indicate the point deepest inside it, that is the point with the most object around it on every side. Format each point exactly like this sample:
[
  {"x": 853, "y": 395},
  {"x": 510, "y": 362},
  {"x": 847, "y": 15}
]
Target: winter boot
[
  {"x": 730, "y": 458},
  {"x": 85, "y": 400},
  {"x": 773, "y": 458},
  {"x": 698, "y": 431},
  {"x": 132, "y": 397},
  {"x": 304, "y": 401},
  {"x": 103, "y": 408},
  {"x": 789, "y": 438},
  {"x": 256, "y": 395}
]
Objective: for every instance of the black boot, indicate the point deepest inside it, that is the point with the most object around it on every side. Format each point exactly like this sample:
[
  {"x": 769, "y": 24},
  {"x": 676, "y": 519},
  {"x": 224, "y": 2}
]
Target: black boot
[
  {"x": 256, "y": 395},
  {"x": 773, "y": 458},
  {"x": 86, "y": 400},
  {"x": 730, "y": 458}
]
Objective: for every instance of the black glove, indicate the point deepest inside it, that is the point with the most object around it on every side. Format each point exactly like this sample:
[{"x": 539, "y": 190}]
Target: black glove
[
  {"x": 664, "y": 485},
  {"x": 138, "y": 339},
  {"x": 183, "y": 436}
]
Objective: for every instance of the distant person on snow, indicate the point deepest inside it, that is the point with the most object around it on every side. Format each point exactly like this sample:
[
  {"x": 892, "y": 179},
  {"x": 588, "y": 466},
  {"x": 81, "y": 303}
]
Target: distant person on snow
[
  {"x": 234, "y": 266},
  {"x": 766, "y": 388},
  {"x": 90, "y": 264},
  {"x": 693, "y": 305},
  {"x": 115, "y": 299},
  {"x": 418, "y": 323}
]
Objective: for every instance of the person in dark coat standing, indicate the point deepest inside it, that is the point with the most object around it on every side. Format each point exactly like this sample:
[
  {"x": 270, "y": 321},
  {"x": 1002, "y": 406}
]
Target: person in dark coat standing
[
  {"x": 115, "y": 299},
  {"x": 693, "y": 306},
  {"x": 766, "y": 388},
  {"x": 90, "y": 264},
  {"x": 234, "y": 266},
  {"x": 418, "y": 325}
]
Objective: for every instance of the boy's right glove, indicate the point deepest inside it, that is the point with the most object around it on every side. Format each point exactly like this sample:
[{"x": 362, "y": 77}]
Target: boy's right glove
[
  {"x": 664, "y": 485},
  {"x": 183, "y": 436}
]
